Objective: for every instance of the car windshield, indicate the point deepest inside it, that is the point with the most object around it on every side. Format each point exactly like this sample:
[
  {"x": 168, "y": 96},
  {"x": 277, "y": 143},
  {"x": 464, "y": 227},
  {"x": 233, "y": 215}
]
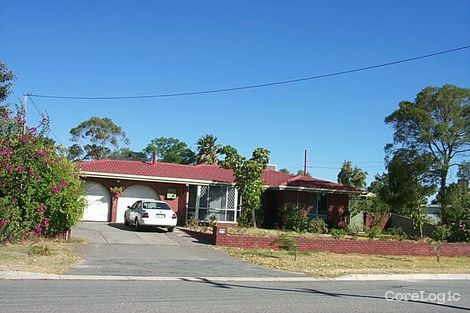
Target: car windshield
[{"x": 156, "y": 205}]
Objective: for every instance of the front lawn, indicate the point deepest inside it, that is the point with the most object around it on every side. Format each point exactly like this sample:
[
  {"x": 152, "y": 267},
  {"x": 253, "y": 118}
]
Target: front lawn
[
  {"x": 20, "y": 256},
  {"x": 333, "y": 265}
]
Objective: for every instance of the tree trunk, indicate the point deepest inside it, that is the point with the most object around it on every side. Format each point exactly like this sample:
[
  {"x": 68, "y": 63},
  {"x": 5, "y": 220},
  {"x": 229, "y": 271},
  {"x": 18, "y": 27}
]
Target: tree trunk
[
  {"x": 443, "y": 191},
  {"x": 421, "y": 230},
  {"x": 253, "y": 216}
]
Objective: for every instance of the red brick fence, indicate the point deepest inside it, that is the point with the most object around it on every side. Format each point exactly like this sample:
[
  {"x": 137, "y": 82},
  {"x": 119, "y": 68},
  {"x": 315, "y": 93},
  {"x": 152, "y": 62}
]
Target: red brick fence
[{"x": 221, "y": 237}]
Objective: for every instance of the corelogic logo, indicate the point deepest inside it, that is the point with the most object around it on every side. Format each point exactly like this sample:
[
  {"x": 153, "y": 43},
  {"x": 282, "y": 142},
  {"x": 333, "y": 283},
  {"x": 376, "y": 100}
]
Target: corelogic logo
[{"x": 423, "y": 296}]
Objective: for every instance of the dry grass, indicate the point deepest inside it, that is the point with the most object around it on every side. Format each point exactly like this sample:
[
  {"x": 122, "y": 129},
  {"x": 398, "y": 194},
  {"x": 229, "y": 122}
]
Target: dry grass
[
  {"x": 332, "y": 265},
  {"x": 15, "y": 257}
]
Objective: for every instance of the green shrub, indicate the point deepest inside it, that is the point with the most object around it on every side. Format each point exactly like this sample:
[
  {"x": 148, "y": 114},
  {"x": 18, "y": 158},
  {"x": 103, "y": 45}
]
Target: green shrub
[
  {"x": 287, "y": 243},
  {"x": 354, "y": 231},
  {"x": 192, "y": 223},
  {"x": 40, "y": 190},
  {"x": 212, "y": 220},
  {"x": 440, "y": 236},
  {"x": 317, "y": 226},
  {"x": 39, "y": 249},
  {"x": 338, "y": 233},
  {"x": 294, "y": 219},
  {"x": 374, "y": 232},
  {"x": 441, "y": 233},
  {"x": 396, "y": 233}
]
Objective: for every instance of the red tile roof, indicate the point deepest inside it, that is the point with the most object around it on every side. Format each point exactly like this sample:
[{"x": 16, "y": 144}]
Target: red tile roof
[{"x": 204, "y": 172}]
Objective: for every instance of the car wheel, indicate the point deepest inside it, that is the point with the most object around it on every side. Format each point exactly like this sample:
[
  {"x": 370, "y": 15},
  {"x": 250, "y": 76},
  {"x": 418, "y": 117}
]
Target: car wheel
[
  {"x": 126, "y": 222},
  {"x": 170, "y": 229},
  {"x": 136, "y": 224}
]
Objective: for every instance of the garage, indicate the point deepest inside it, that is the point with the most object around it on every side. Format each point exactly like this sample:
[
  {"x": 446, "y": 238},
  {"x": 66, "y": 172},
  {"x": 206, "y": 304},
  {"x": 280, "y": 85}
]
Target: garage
[
  {"x": 132, "y": 194},
  {"x": 97, "y": 203}
]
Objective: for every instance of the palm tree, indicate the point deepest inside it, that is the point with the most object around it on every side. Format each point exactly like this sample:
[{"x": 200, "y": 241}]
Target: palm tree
[{"x": 207, "y": 150}]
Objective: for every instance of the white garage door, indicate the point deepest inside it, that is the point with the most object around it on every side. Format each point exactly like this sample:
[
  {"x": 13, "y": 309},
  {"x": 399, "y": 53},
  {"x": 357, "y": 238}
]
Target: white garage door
[
  {"x": 98, "y": 203},
  {"x": 132, "y": 194}
]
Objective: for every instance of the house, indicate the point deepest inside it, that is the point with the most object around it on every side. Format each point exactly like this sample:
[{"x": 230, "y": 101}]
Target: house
[{"x": 202, "y": 190}]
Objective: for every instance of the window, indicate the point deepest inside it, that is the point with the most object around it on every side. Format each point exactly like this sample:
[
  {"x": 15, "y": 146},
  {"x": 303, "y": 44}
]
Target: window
[
  {"x": 318, "y": 205},
  {"x": 323, "y": 204},
  {"x": 156, "y": 205},
  {"x": 217, "y": 197},
  {"x": 214, "y": 200},
  {"x": 171, "y": 193},
  {"x": 137, "y": 205}
]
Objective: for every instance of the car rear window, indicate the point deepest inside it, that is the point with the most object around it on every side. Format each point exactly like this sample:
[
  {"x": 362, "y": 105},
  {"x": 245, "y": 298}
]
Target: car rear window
[{"x": 156, "y": 205}]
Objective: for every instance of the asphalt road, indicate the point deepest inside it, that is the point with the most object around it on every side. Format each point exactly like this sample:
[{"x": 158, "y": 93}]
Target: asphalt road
[{"x": 206, "y": 296}]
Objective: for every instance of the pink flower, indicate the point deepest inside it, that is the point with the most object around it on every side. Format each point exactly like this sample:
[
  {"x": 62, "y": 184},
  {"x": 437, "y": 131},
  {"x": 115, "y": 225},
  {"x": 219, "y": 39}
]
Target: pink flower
[
  {"x": 41, "y": 209},
  {"x": 42, "y": 152},
  {"x": 38, "y": 177},
  {"x": 20, "y": 169},
  {"x": 31, "y": 172},
  {"x": 32, "y": 130},
  {"x": 2, "y": 223},
  {"x": 8, "y": 167},
  {"x": 6, "y": 152},
  {"x": 55, "y": 189},
  {"x": 45, "y": 222},
  {"x": 24, "y": 139},
  {"x": 38, "y": 229},
  {"x": 64, "y": 183}
]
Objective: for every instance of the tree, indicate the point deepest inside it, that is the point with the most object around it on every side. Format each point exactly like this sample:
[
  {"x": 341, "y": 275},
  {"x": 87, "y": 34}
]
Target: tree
[
  {"x": 374, "y": 201},
  {"x": 285, "y": 171},
  {"x": 98, "y": 137},
  {"x": 435, "y": 124},
  {"x": 170, "y": 150},
  {"x": 301, "y": 173},
  {"x": 248, "y": 174},
  {"x": 419, "y": 218},
  {"x": 464, "y": 171},
  {"x": 207, "y": 150},
  {"x": 440, "y": 236},
  {"x": 40, "y": 191},
  {"x": 6, "y": 81},
  {"x": 349, "y": 176},
  {"x": 128, "y": 154},
  {"x": 458, "y": 219},
  {"x": 74, "y": 152},
  {"x": 408, "y": 181}
]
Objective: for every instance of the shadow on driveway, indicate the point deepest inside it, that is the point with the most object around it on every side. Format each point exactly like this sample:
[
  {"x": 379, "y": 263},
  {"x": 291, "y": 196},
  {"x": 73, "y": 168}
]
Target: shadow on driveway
[{"x": 142, "y": 228}]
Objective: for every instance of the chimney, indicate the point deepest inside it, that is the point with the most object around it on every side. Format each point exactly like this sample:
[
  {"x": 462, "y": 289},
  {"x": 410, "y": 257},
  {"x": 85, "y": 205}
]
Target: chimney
[
  {"x": 154, "y": 158},
  {"x": 272, "y": 167}
]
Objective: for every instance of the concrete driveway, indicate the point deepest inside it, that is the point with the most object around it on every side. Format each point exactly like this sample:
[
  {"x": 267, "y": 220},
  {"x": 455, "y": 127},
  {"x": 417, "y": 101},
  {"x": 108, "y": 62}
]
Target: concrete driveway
[{"x": 114, "y": 249}]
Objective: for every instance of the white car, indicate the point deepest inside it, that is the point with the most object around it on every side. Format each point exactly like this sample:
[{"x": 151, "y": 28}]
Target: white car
[{"x": 150, "y": 212}]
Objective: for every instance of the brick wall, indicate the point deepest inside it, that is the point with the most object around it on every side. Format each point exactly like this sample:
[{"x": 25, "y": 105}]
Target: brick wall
[
  {"x": 222, "y": 238},
  {"x": 338, "y": 209}
]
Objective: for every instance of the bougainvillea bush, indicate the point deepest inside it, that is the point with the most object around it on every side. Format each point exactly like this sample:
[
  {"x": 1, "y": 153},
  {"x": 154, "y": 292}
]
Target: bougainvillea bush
[{"x": 40, "y": 190}]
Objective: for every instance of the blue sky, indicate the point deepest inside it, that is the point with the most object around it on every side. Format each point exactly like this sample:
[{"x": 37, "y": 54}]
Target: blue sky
[{"x": 102, "y": 48}]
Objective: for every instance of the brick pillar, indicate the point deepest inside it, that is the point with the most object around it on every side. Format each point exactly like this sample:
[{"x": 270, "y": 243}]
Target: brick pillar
[
  {"x": 220, "y": 232},
  {"x": 114, "y": 203}
]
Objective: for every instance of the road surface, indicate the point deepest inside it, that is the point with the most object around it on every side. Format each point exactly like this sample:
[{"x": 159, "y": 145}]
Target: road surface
[{"x": 207, "y": 296}]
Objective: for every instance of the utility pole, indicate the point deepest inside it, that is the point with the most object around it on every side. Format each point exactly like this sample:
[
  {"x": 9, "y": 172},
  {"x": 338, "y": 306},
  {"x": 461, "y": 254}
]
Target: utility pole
[
  {"x": 305, "y": 163},
  {"x": 23, "y": 109}
]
